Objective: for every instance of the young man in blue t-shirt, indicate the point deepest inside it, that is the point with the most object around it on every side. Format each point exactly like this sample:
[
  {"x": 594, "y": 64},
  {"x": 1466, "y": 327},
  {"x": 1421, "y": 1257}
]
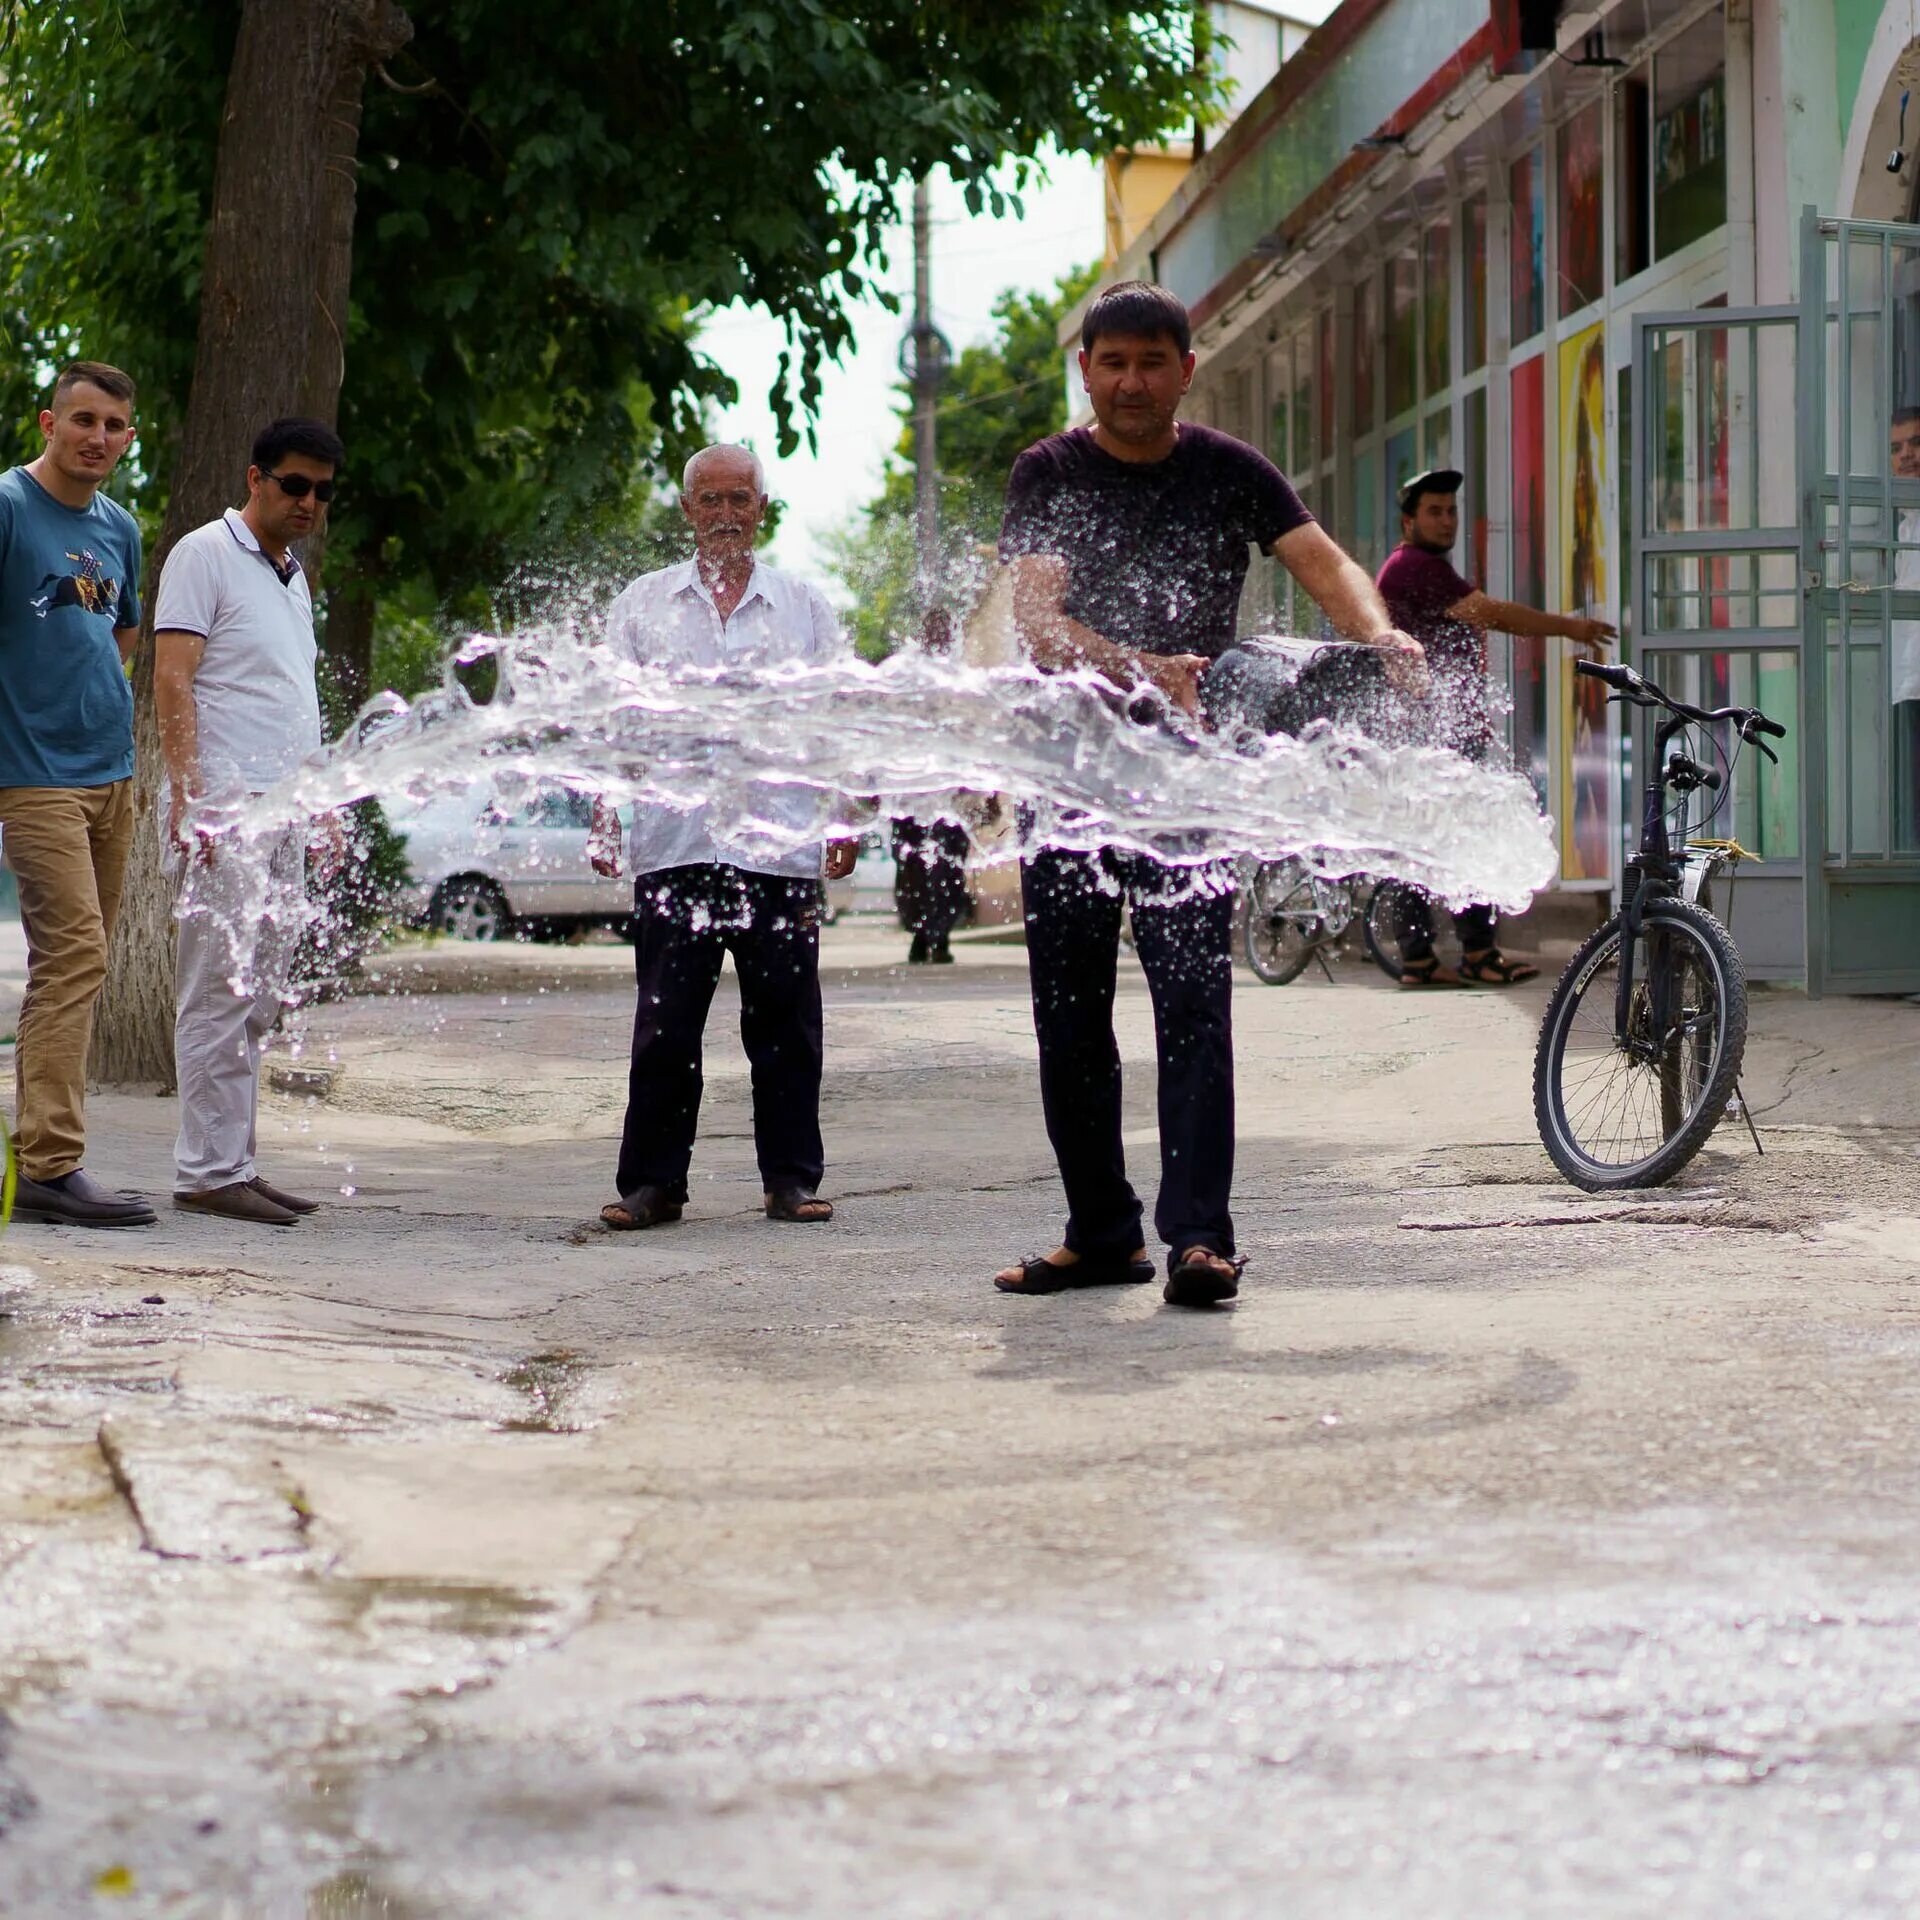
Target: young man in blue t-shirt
[{"x": 69, "y": 616}]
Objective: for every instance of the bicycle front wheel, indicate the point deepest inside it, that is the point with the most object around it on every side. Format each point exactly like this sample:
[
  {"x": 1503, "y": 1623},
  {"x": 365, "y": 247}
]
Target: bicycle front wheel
[
  {"x": 1283, "y": 920},
  {"x": 1629, "y": 1104}
]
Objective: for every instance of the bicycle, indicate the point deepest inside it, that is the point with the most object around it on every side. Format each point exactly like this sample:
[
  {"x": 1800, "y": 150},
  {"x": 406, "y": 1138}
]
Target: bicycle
[
  {"x": 1290, "y": 915},
  {"x": 1640, "y": 1051}
]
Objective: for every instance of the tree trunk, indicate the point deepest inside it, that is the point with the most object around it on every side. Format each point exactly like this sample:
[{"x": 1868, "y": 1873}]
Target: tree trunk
[{"x": 272, "y": 341}]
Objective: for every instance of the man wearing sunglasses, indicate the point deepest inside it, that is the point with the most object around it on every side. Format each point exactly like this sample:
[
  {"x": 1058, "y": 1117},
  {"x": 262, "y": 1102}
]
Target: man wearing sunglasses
[{"x": 238, "y": 709}]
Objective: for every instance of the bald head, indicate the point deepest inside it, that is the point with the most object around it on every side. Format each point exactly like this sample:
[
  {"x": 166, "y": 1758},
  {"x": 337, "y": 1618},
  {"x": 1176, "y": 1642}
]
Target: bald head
[{"x": 723, "y": 450}]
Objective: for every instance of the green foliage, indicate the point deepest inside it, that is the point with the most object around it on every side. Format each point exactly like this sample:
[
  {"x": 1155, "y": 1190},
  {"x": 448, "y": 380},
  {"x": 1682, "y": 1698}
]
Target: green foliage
[
  {"x": 1000, "y": 396},
  {"x": 541, "y": 226}
]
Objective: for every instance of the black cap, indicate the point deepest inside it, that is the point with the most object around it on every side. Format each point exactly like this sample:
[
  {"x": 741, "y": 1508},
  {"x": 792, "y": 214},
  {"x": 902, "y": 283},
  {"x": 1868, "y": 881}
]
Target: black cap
[{"x": 1438, "y": 480}]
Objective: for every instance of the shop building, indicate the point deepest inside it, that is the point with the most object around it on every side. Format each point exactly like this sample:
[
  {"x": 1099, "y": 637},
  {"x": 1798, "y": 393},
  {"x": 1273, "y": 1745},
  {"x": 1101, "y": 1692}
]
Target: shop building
[{"x": 1640, "y": 270}]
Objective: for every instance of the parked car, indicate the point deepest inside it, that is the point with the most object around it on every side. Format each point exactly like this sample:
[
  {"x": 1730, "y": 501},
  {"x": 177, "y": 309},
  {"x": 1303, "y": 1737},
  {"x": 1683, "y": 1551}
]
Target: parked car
[{"x": 479, "y": 872}]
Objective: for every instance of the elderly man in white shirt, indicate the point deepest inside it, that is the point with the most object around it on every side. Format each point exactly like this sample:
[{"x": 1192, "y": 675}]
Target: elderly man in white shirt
[
  {"x": 699, "y": 895},
  {"x": 238, "y": 710}
]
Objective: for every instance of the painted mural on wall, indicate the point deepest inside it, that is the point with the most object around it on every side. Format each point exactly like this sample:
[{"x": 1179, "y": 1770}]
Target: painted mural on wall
[{"x": 1585, "y": 771}]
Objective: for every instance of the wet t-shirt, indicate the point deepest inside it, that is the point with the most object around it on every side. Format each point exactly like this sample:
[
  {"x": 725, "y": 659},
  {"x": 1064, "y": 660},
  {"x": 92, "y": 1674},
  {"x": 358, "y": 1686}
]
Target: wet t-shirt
[
  {"x": 1157, "y": 550},
  {"x": 1419, "y": 586}
]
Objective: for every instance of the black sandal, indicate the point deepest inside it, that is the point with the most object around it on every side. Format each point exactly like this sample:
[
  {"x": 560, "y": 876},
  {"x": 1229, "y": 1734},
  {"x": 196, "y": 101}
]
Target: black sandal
[
  {"x": 650, "y": 1206},
  {"x": 785, "y": 1203},
  {"x": 1425, "y": 973},
  {"x": 1494, "y": 969},
  {"x": 1041, "y": 1275},
  {"x": 1192, "y": 1281}
]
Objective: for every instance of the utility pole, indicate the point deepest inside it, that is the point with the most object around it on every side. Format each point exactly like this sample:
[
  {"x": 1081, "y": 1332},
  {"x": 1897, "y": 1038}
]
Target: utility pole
[
  {"x": 926, "y": 379},
  {"x": 924, "y": 358}
]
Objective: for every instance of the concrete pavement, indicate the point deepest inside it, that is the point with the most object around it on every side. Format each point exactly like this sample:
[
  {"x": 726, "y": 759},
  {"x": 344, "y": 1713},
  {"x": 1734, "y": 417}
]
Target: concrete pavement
[{"x": 1502, "y": 1550}]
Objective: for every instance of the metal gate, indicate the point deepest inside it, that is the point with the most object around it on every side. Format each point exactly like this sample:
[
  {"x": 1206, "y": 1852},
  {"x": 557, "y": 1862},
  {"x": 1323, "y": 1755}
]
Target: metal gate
[
  {"x": 1860, "y": 554},
  {"x": 1776, "y": 556}
]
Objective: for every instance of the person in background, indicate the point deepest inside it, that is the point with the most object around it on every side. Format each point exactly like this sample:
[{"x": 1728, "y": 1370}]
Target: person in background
[
  {"x": 234, "y": 691},
  {"x": 1904, "y": 638},
  {"x": 930, "y": 857},
  {"x": 1129, "y": 543},
  {"x": 697, "y": 897},
  {"x": 1451, "y": 619},
  {"x": 69, "y": 617}
]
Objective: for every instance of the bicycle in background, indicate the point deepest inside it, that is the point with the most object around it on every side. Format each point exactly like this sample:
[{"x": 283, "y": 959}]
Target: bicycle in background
[{"x": 1640, "y": 1051}]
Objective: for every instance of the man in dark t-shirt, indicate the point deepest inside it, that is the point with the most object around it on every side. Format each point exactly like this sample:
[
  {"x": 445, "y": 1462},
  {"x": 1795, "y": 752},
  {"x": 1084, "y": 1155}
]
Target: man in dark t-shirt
[
  {"x": 1129, "y": 542},
  {"x": 1451, "y": 619}
]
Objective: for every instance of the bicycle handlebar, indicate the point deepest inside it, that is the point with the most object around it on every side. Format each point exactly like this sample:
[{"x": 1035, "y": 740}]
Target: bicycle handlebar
[{"x": 1643, "y": 693}]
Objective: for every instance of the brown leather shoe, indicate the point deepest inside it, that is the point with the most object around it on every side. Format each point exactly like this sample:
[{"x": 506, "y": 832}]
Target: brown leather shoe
[
  {"x": 282, "y": 1198},
  {"x": 236, "y": 1201}
]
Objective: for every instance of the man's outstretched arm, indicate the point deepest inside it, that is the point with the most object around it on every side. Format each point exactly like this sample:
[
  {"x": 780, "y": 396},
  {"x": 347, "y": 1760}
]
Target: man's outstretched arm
[
  {"x": 1488, "y": 615},
  {"x": 1340, "y": 587}
]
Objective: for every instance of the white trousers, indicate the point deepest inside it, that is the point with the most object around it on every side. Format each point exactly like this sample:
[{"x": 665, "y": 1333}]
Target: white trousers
[{"x": 230, "y": 974}]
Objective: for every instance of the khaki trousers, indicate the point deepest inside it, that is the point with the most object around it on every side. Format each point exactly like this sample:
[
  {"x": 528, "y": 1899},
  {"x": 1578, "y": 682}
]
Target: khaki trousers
[{"x": 67, "y": 847}]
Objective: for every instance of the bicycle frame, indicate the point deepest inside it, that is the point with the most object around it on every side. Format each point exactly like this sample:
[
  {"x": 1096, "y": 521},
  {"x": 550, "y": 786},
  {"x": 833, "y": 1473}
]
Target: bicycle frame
[{"x": 1654, "y": 872}]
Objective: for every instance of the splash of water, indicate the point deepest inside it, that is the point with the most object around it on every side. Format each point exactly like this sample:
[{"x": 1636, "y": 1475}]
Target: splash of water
[{"x": 900, "y": 738}]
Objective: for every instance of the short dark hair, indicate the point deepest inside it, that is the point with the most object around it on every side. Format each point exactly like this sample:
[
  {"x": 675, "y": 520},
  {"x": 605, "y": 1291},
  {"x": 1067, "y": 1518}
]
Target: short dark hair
[
  {"x": 1139, "y": 307},
  {"x": 91, "y": 373},
  {"x": 314, "y": 438},
  {"x": 1902, "y": 415}
]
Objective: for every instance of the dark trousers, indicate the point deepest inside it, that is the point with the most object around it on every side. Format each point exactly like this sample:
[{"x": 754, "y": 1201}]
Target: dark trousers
[
  {"x": 686, "y": 919},
  {"x": 1073, "y": 903},
  {"x": 932, "y": 862},
  {"x": 1473, "y": 925}
]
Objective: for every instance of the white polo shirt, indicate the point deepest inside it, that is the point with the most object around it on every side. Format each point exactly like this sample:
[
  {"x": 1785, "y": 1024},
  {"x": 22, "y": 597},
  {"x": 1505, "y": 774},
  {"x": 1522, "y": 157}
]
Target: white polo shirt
[
  {"x": 254, "y": 697},
  {"x": 669, "y": 619}
]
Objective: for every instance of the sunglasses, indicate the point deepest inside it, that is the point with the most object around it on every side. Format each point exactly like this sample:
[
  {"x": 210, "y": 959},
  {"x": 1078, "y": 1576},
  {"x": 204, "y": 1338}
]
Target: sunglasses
[{"x": 296, "y": 486}]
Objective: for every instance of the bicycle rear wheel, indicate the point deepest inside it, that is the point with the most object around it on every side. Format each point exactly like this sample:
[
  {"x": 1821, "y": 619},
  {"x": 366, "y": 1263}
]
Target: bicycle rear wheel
[
  {"x": 1284, "y": 923},
  {"x": 1386, "y": 917},
  {"x": 1631, "y": 1110}
]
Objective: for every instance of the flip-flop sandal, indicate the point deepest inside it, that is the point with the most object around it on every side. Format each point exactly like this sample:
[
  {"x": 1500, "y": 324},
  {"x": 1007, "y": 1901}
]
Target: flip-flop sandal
[
  {"x": 1496, "y": 970},
  {"x": 785, "y": 1203},
  {"x": 1041, "y": 1275},
  {"x": 1426, "y": 973},
  {"x": 1192, "y": 1281},
  {"x": 643, "y": 1207}
]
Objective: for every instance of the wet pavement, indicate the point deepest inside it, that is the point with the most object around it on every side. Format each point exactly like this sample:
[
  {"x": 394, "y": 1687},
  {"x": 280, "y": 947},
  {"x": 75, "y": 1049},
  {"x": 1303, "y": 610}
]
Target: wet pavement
[{"x": 1501, "y": 1551}]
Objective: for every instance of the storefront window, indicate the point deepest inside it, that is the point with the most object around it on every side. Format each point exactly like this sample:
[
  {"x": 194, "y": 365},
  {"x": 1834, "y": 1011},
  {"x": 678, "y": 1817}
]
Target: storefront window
[
  {"x": 1689, "y": 160},
  {"x": 1403, "y": 462},
  {"x": 1303, "y": 408},
  {"x": 1473, "y": 415},
  {"x": 1403, "y": 335},
  {"x": 1632, "y": 207},
  {"x": 1528, "y": 422},
  {"x": 1528, "y": 246},
  {"x": 1366, "y": 335},
  {"x": 1324, "y": 328},
  {"x": 1439, "y": 438},
  {"x": 1473, "y": 247},
  {"x": 1366, "y": 510},
  {"x": 1279, "y": 383},
  {"x": 1582, "y": 255},
  {"x": 1436, "y": 287}
]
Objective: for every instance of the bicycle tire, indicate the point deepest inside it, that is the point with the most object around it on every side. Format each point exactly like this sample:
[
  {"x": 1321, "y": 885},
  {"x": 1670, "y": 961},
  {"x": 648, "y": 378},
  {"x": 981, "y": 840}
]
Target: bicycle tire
[
  {"x": 1278, "y": 946},
  {"x": 1381, "y": 929},
  {"x": 1689, "y": 1081}
]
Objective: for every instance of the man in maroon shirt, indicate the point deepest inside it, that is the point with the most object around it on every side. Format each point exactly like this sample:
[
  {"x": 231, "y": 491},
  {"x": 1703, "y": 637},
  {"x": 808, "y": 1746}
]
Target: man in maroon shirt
[{"x": 1451, "y": 619}]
